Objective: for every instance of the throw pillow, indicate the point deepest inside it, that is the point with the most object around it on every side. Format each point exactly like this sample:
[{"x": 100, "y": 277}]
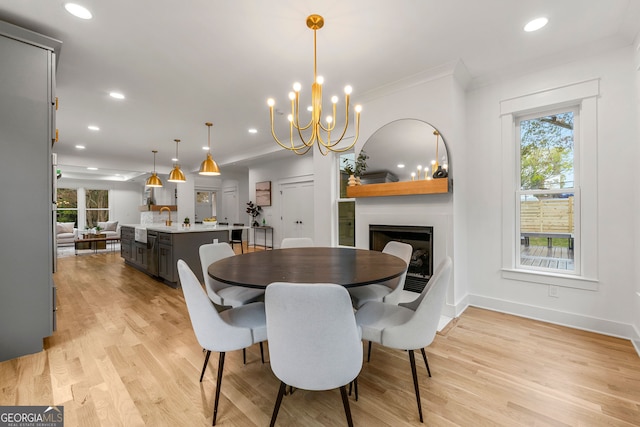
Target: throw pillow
[{"x": 64, "y": 227}]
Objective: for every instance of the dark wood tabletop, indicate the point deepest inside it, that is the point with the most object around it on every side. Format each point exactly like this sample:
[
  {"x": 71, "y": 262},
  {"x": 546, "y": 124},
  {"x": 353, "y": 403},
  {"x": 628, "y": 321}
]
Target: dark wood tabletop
[{"x": 347, "y": 267}]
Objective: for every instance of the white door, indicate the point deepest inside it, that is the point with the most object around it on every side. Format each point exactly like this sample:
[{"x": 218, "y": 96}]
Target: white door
[
  {"x": 297, "y": 209},
  {"x": 229, "y": 206}
]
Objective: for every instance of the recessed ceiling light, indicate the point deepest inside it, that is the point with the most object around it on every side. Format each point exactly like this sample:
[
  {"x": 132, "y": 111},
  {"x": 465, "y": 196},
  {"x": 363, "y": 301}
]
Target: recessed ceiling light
[
  {"x": 252, "y": 130},
  {"x": 92, "y": 127},
  {"x": 116, "y": 95},
  {"x": 175, "y": 159},
  {"x": 80, "y": 147},
  {"x": 91, "y": 168},
  {"x": 401, "y": 165},
  {"x": 536, "y": 24},
  {"x": 205, "y": 148},
  {"x": 78, "y": 11}
]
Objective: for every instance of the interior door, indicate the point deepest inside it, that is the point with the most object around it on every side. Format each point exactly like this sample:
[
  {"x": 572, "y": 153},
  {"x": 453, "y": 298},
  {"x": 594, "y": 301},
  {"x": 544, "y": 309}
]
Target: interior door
[
  {"x": 297, "y": 209},
  {"x": 229, "y": 206}
]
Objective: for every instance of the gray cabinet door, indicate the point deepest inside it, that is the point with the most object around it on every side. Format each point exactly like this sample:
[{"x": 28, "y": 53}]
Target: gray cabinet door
[{"x": 26, "y": 117}]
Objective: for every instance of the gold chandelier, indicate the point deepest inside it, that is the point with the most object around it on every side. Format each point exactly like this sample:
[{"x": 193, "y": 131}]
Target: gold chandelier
[
  {"x": 176, "y": 174},
  {"x": 318, "y": 132},
  {"x": 153, "y": 180},
  {"x": 209, "y": 166}
]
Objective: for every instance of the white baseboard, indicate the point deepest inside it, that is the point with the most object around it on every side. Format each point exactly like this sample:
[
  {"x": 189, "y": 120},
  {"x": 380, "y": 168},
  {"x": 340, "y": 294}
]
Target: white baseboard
[{"x": 586, "y": 323}]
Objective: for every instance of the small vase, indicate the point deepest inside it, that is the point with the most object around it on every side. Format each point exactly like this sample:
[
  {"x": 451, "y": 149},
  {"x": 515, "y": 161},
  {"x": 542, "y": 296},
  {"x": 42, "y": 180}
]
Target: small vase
[
  {"x": 352, "y": 181},
  {"x": 440, "y": 173}
]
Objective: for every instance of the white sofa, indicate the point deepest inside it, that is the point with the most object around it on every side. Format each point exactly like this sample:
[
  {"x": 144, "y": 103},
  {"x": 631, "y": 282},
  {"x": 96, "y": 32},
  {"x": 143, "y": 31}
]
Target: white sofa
[
  {"x": 109, "y": 228},
  {"x": 66, "y": 233}
]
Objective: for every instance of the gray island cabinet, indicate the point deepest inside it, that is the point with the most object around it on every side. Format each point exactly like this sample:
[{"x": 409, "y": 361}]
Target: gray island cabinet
[{"x": 158, "y": 252}]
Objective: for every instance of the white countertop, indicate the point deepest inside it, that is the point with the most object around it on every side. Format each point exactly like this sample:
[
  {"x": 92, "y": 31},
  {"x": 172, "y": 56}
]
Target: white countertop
[{"x": 194, "y": 228}]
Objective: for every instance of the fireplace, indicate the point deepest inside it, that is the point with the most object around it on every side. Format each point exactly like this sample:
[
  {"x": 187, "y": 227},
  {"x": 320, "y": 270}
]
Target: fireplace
[{"x": 420, "y": 238}]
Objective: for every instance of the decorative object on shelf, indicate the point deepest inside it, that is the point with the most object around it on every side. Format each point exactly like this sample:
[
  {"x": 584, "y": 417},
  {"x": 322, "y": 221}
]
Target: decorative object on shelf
[
  {"x": 361, "y": 166},
  {"x": 209, "y": 167},
  {"x": 263, "y": 193},
  {"x": 176, "y": 174},
  {"x": 349, "y": 169},
  {"x": 315, "y": 126},
  {"x": 440, "y": 173},
  {"x": 187, "y": 222},
  {"x": 254, "y": 212},
  {"x": 153, "y": 180}
]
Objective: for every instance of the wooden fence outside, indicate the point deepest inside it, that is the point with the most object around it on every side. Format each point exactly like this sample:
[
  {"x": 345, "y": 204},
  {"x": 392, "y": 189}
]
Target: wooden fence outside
[{"x": 547, "y": 216}]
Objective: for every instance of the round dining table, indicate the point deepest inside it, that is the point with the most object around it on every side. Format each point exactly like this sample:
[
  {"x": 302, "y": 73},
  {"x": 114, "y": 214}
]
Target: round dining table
[{"x": 343, "y": 266}]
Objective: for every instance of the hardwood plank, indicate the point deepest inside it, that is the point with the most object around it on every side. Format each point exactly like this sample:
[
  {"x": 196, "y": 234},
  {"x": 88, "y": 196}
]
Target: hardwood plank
[{"x": 125, "y": 354}]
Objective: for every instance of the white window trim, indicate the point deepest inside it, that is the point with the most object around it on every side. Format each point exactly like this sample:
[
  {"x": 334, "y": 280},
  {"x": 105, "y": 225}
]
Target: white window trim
[
  {"x": 584, "y": 96},
  {"x": 339, "y": 200}
]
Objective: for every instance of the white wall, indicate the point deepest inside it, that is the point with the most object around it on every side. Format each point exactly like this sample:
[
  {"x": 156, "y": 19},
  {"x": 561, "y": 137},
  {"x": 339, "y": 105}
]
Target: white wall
[
  {"x": 610, "y": 309},
  {"x": 292, "y": 168}
]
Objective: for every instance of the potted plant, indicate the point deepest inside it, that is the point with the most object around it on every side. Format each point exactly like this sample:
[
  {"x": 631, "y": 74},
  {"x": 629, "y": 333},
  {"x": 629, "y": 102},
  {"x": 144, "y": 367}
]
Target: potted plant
[
  {"x": 349, "y": 169},
  {"x": 361, "y": 165},
  {"x": 187, "y": 222},
  {"x": 254, "y": 212}
]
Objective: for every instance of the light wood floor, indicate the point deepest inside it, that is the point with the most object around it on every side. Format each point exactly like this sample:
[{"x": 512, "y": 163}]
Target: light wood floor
[{"x": 125, "y": 355}]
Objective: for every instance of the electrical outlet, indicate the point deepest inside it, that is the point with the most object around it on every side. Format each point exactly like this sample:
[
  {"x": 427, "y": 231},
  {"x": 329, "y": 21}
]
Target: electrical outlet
[{"x": 553, "y": 291}]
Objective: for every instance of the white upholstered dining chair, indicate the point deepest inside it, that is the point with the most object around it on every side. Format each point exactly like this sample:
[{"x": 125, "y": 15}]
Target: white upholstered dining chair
[
  {"x": 296, "y": 242},
  {"x": 408, "y": 326},
  {"x": 222, "y": 293},
  {"x": 229, "y": 330},
  {"x": 389, "y": 291},
  {"x": 314, "y": 342}
]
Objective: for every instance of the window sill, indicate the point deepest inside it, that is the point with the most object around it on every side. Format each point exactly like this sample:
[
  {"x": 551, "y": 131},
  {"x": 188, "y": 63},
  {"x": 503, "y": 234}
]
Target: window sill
[{"x": 545, "y": 278}]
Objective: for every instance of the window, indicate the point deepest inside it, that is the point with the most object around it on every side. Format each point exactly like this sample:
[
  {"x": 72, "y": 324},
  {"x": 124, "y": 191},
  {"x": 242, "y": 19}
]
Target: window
[
  {"x": 97, "y": 207},
  {"x": 67, "y": 205},
  {"x": 346, "y": 207},
  {"x": 550, "y": 149},
  {"x": 546, "y": 195}
]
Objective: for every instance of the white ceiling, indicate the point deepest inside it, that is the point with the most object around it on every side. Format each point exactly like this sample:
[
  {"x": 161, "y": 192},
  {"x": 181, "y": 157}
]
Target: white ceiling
[{"x": 183, "y": 63}]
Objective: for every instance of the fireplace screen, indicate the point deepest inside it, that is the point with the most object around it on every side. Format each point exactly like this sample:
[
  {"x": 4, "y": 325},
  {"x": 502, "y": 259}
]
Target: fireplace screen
[{"x": 421, "y": 240}]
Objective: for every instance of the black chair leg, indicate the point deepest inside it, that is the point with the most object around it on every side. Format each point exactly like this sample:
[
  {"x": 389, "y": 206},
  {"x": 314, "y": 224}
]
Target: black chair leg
[
  {"x": 218, "y": 385},
  {"x": 276, "y": 408},
  {"x": 412, "y": 360},
  {"x": 424, "y": 356},
  {"x": 204, "y": 367},
  {"x": 345, "y": 403},
  {"x": 355, "y": 383},
  {"x": 262, "y": 354},
  {"x": 369, "y": 353},
  {"x": 244, "y": 356}
]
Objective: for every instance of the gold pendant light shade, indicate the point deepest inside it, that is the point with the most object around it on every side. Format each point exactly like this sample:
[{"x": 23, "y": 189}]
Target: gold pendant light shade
[
  {"x": 176, "y": 174},
  {"x": 209, "y": 167},
  {"x": 153, "y": 180}
]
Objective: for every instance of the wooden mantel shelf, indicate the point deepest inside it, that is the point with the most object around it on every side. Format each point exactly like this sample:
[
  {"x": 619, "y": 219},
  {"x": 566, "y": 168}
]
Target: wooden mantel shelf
[
  {"x": 156, "y": 208},
  {"x": 404, "y": 188}
]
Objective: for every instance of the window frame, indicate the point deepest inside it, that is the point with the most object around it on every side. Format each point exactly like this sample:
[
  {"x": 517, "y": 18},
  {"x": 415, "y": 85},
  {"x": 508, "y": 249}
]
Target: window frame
[
  {"x": 345, "y": 199},
  {"x": 88, "y": 209},
  {"x": 582, "y": 95},
  {"x": 574, "y": 189}
]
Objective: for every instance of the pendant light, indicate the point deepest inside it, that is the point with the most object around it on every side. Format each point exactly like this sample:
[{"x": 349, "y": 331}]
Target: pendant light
[
  {"x": 153, "y": 180},
  {"x": 176, "y": 174},
  {"x": 209, "y": 166}
]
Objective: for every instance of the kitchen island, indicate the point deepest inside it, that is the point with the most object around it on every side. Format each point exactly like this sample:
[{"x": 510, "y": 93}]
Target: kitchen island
[{"x": 155, "y": 248}]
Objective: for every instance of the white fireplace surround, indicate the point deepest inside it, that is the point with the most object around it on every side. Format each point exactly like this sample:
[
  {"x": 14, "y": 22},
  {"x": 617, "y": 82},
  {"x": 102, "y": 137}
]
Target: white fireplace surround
[{"x": 410, "y": 214}]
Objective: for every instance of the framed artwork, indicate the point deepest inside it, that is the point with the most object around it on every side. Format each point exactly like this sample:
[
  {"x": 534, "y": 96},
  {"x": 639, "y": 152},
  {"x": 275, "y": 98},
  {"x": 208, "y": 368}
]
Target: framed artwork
[{"x": 263, "y": 193}]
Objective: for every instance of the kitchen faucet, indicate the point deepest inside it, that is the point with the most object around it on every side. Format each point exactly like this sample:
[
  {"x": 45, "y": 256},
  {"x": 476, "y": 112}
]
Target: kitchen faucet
[{"x": 167, "y": 222}]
